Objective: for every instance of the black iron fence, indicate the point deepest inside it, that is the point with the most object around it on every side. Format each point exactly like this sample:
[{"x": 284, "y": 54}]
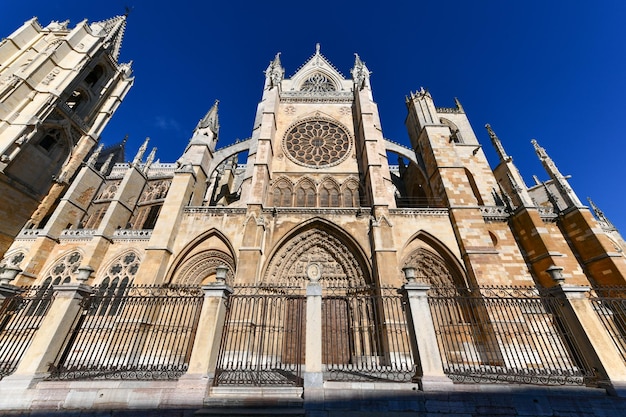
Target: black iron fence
[
  {"x": 365, "y": 335},
  {"x": 20, "y": 317},
  {"x": 610, "y": 304},
  {"x": 138, "y": 332},
  {"x": 263, "y": 338},
  {"x": 503, "y": 334}
]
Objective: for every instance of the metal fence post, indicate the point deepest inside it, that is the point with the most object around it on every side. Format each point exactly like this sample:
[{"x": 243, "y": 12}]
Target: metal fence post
[
  {"x": 432, "y": 377},
  {"x": 595, "y": 342}
]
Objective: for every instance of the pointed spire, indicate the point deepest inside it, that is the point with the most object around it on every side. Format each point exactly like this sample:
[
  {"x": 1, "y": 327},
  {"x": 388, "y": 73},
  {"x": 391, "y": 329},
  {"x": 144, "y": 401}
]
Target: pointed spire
[
  {"x": 149, "y": 160},
  {"x": 105, "y": 167},
  {"x": 555, "y": 174},
  {"x": 498, "y": 145},
  {"x": 140, "y": 152},
  {"x": 600, "y": 215},
  {"x": 275, "y": 72},
  {"x": 360, "y": 73},
  {"x": 94, "y": 156},
  {"x": 209, "y": 122},
  {"x": 113, "y": 29}
]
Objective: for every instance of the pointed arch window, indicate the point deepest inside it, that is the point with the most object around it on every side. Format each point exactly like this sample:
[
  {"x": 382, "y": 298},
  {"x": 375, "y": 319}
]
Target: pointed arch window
[
  {"x": 61, "y": 273},
  {"x": 282, "y": 194},
  {"x": 120, "y": 275},
  {"x": 305, "y": 195},
  {"x": 92, "y": 78},
  {"x": 351, "y": 195},
  {"x": 329, "y": 194}
]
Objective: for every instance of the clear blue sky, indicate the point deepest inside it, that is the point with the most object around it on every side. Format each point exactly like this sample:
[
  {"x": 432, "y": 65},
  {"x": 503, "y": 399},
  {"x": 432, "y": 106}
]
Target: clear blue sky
[{"x": 550, "y": 70}]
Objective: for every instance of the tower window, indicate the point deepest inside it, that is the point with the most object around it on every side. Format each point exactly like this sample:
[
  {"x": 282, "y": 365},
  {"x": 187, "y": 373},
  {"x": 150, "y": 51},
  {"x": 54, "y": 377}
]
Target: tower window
[
  {"x": 75, "y": 99},
  {"x": 48, "y": 142},
  {"x": 92, "y": 78}
]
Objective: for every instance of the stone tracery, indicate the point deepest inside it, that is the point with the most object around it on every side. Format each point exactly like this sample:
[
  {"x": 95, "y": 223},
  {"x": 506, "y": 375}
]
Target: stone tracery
[
  {"x": 430, "y": 267},
  {"x": 204, "y": 264},
  {"x": 317, "y": 142},
  {"x": 340, "y": 267}
]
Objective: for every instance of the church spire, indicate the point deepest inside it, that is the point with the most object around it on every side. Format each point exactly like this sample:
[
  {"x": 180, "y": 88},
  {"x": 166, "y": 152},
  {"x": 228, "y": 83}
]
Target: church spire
[
  {"x": 210, "y": 122},
  {"x": 558, "y": 178},
  {"x": 498, "y": 145},
  {"x": 113, "y": 29}
]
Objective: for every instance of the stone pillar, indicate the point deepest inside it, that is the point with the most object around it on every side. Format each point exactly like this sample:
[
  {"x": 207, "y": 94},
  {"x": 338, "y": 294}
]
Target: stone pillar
[
  {"x": 313, "y": 375},
  {"x": 426, "y": 349},
  {"x": 208, "y": 336},
  {"x": 49, "y": 338},
  {"x": 593, "y": 340}
]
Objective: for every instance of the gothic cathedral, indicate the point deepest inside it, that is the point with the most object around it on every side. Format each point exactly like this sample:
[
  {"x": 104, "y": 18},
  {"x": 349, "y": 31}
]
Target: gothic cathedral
[{"x": 297, "y": 258}]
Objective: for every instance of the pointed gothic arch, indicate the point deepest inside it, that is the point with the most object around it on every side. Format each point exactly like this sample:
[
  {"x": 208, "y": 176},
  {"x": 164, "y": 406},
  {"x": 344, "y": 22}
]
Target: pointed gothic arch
[
  {"x": 433, "y": 260},
  {"x": 64, "y": 269},
  {"x": 282, "y": 193},
  {"x": 305, "y": 193},
  {"x": 329, "y": 193},
  {"x": 341, "y": 260},
  {"x": 196, "y": 264}
]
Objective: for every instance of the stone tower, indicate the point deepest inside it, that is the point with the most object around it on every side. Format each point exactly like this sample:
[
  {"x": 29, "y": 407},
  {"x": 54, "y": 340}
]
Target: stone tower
[{"x": 59, "y": 87}]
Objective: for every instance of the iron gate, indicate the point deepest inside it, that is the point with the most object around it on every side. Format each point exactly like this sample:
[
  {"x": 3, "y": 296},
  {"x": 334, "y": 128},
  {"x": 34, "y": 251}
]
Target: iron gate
[{"x": 263, "y": 337}]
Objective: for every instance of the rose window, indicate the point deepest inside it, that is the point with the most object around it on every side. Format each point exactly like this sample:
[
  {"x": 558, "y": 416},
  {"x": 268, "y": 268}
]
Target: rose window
[{"x": 317, "y": 143}]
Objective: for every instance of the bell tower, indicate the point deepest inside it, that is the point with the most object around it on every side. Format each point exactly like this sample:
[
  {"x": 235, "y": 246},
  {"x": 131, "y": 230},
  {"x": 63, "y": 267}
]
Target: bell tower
[{"x": 59, "y": 87}]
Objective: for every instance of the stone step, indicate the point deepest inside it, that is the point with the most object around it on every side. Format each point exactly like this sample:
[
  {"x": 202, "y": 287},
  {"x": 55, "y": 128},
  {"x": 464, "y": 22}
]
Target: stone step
[{"x": 249, "y": 411}]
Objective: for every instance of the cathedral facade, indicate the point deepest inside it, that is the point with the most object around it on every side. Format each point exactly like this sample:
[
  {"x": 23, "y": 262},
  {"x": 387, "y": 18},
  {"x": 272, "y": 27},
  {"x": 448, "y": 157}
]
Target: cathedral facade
[{"x": 287, "y": 262}]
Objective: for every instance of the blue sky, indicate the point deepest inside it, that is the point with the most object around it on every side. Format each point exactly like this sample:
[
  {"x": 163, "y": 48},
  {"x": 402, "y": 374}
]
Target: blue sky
[{"x": 550, "y": 70}]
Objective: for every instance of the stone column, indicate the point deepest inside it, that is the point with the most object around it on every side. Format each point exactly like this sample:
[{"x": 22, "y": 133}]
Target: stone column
[
  {"x": 208, "y": 336},
  {"x": 51, "y": 335},
  {"x": 426, "y": 349},
  {"x": 591, "y": 336},
  {"x": 313, "y": 375}
]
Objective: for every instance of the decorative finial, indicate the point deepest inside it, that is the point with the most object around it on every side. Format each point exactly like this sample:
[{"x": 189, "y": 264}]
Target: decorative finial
[
  {"x": 94, "y": 156},
  {"x": 140, "y": 152},
  {"x": 558, "y": 178},
  {"x": 359, "y": 72},
  {"x": 498, "y": 145},
  {"x": 105, "y": 167},
  {"x": 150, "y": 160},
  {"x": 599, "y": 214},
  {"x": 317, "y": 48}
]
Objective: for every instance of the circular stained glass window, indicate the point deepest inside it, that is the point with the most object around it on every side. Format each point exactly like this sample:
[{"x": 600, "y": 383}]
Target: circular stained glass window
[{"x": 317, "y": 143}]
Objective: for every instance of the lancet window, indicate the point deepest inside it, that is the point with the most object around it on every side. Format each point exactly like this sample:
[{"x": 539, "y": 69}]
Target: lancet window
[
  {"x": 305, "y": 195},
  {"x": 63, "y": 271},
  {"x": 119, "y": 276},
  {"x": 282, "y": 194}
]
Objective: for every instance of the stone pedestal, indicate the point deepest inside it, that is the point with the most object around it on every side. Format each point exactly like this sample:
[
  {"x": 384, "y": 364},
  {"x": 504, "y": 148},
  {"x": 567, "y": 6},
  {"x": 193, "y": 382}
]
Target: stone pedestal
[
  {"x": 591, "y": 336},
  {"x": 51, "y": 335},
  {"x": 430, "y": 375},
  {"x": 206, "y": 344}
]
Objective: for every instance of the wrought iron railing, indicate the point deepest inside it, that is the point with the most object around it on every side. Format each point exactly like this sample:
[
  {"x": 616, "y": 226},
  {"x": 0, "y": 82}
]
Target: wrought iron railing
[
  {"x": 20, "y": 317},
  {"x": 144, "y": 332},
  {"x": 365, "y": 335},
  {"x": 419, "y": 202},
  {"x": 501, "y": 334},
  {"x": 263, "y": 338},
  {"x": 610, "y": 304}
]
